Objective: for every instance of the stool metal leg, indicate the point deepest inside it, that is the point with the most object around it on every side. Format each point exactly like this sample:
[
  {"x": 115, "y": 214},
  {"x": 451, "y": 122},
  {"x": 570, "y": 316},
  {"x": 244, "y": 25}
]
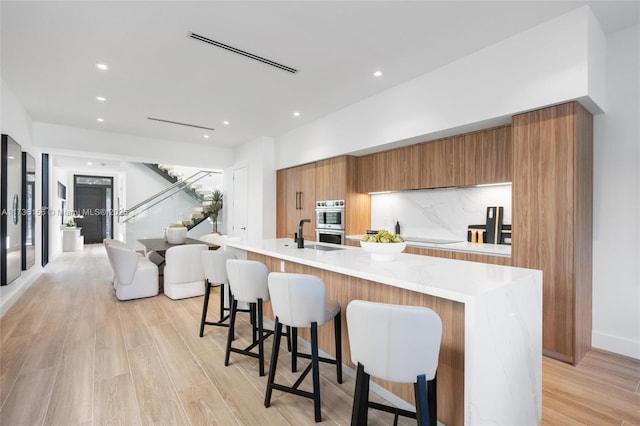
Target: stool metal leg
[{"x": 360, "y": 398}]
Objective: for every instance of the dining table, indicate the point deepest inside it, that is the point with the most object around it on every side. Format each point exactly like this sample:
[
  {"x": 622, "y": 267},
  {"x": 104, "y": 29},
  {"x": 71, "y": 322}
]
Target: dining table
[{"x": 160, "y": 245}]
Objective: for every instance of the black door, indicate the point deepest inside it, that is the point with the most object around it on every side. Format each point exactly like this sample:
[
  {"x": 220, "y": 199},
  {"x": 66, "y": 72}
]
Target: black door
[{"x": 92, "y": 201}]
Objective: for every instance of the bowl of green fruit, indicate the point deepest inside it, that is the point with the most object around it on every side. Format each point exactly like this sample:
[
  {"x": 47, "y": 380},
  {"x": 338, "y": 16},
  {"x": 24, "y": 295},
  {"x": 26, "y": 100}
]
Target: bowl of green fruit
[{"x": 383, "y": 246}]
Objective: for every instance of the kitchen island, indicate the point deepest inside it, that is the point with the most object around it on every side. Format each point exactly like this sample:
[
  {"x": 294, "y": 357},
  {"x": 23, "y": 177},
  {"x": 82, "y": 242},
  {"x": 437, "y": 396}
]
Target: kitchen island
[{"x": 490, "y": 367}]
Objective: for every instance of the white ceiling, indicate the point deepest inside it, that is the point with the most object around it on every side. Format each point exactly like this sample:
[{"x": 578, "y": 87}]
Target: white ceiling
[{"x": 49, "y": 50}]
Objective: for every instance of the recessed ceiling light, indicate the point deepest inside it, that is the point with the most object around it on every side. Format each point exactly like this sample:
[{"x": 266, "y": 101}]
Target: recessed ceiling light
[
  {"x": 102, "y": 67},
  {"x": 206, "y": 136},
  {"x": 101, "y": 98},
  {"x": 225, "y": 122},
  {"x": 100, "y": 119},
  {"x": 377, "y": 74},
  {"x": 296, "y": 114},
  {"x": 89, "y": 163}
]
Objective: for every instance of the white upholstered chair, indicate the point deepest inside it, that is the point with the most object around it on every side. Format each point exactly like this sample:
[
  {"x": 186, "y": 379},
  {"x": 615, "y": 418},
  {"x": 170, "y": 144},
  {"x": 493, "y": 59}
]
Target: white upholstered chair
[
  {"x": 117, "y": 243},
  {"x": 397, "y": 343},
  {"x": 248, "y": 283},
  {"x": 214, "y": 263},
  {"x": 183, "y": 273},
  {"x": 136, "y": 276},
  {"x": 299, "y": 300}
]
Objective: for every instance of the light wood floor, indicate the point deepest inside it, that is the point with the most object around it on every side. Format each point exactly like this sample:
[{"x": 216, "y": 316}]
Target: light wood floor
[{"x": 71, "y": 353}]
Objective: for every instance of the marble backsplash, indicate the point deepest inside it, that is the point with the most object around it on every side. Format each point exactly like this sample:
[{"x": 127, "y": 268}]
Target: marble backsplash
[{"x": 443, "y": 213}]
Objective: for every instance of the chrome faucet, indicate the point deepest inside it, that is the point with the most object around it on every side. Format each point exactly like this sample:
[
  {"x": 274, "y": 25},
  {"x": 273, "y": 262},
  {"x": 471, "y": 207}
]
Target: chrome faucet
[{"x": 300, "y": 239}]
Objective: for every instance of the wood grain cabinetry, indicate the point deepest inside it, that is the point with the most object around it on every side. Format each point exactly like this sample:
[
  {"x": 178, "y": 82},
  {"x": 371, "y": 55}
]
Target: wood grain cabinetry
[
  {"x": 487, "y": 156},
  {"x": 296, "y": 200},
  {"x": 475, "y": 158},
  {"x": 552, "y": 219},
  {"x": 332, "y": 179},
  {"x": 336, "y": 179}
]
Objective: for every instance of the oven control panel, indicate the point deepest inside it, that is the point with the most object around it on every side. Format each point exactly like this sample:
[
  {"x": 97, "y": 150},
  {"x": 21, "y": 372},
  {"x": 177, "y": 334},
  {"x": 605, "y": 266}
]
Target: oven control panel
[{"x": 329, "y": 204}]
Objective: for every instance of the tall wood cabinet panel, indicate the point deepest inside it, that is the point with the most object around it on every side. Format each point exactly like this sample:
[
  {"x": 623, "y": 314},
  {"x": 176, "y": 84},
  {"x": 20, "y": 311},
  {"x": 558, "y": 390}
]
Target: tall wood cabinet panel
[
  {"x": 552, "y": 219},
  {"x": 337, "y": 179},
  {"x": 296, "y": 200}
]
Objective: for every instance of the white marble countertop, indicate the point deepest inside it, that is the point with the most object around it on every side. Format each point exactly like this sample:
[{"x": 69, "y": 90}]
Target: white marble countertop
[
  {"x": 499, "y": 250},
  {"x": 446, "y": 278}
]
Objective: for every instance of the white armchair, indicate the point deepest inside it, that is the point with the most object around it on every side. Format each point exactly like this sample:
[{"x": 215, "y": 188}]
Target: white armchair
[
  {"x": 136, "y": 276},
  {"x": 183, "y": 272}
]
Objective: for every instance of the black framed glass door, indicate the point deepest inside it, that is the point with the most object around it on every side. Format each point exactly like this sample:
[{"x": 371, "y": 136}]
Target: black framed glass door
[{"x": 93, "y": 205}]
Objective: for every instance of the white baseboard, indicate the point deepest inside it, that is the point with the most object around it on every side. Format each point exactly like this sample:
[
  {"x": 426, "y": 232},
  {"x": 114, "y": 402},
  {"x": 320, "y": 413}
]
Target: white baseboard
[
  {"x": 616, "y": 344},
  {"x": 10, "y": 293}
]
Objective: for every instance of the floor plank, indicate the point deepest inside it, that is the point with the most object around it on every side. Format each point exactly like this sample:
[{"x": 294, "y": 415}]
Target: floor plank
[{"x": 71, "y": 353}]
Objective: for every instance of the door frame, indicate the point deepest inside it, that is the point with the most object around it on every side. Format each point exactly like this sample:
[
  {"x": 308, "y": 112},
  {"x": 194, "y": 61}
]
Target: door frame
[{"x": 75, "y": 194}]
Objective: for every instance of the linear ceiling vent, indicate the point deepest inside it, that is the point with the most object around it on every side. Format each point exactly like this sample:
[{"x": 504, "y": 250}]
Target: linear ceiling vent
[
  {"x": 180, "y": 124},
  {"x": 243, "y": 53}
]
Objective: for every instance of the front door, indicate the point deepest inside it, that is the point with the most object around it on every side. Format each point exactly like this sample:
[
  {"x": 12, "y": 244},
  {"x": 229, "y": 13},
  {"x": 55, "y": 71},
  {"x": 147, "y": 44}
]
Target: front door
[{"x": 93, "y": 202}]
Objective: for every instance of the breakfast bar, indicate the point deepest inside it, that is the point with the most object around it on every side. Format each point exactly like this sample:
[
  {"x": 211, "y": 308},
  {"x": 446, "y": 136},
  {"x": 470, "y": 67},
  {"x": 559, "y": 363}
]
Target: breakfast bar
[{"x": 490, "y": 365}]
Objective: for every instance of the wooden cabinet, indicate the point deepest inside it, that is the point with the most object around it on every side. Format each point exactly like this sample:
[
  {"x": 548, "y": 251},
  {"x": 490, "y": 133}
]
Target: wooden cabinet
[
  {"x": 476, "y": 158},
  {"x": 442, "y": 163},
  {"x": 296, "y": 200},
  {"x": 552, "y": 219},
  {"x": 337, "y": 179},
  {"x": 332, "y": 179},
  {"x": 488, "y": 156}
]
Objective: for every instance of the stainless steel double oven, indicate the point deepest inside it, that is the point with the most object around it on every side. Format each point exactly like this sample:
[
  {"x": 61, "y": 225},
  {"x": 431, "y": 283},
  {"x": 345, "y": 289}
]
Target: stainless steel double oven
[{"x": 330, "y": 221}]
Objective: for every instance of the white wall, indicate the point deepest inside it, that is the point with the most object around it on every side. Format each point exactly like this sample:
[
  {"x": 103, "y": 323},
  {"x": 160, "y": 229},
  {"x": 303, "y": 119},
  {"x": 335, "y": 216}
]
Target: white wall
[
  {"x": 15, "y": 122},
  {"x": 616, "y": 194},
  {"x": 552, "y": 63},
  {"x": 259, "y": 159}
]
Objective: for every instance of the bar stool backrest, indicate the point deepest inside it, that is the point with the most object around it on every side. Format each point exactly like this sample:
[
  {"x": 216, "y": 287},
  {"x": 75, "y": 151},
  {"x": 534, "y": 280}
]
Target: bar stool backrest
[
  {"x": 214, "y": 263},
  {"x": 394, "y": 342},
  {"x": 248, "y": 280},
  {"x": 298, "y": 299}
]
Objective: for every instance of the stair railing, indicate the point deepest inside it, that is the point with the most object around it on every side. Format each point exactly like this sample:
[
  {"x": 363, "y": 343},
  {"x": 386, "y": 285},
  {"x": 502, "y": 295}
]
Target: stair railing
[{"x": 159, "y": 197}]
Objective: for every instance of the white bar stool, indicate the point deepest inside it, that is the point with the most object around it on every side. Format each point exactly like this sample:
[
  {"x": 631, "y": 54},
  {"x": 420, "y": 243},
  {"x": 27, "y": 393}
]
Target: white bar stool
[
  {"x": 396, "y": 343},
  {"x": 248, "y": 283},
  {"x": 299, "y": 300},
  {"x": 214, "y": 263}
]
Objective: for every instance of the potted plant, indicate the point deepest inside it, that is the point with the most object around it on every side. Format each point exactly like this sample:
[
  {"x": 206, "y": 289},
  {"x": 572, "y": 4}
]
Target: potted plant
[
  {"x": 216, "y": 206},
  {"x": 176, "y": 233}
]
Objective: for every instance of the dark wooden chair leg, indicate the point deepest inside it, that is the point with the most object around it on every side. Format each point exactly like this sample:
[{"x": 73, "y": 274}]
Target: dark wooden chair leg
[
  {"x": 205, "y": 306},
  {"x": 337, "y": 330},
  {"x": 222, "y": 291},
  {"x": 230, "y": 336},
  {"x": 432, "y": 392},
  {"x": 294, "y": 349},
  {"x": 422, "y": 410},
  {"x": 315, "y": 371},
  {"x": 274, "y": 362},
  {"x": 260, "y": 328},
  {"x": 360, "y": 408}
]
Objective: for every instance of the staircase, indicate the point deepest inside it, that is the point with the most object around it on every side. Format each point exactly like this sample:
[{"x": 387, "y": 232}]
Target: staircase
[
  {"x": 191, "y": 186},
  {"x": 195, "y": 190}
]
